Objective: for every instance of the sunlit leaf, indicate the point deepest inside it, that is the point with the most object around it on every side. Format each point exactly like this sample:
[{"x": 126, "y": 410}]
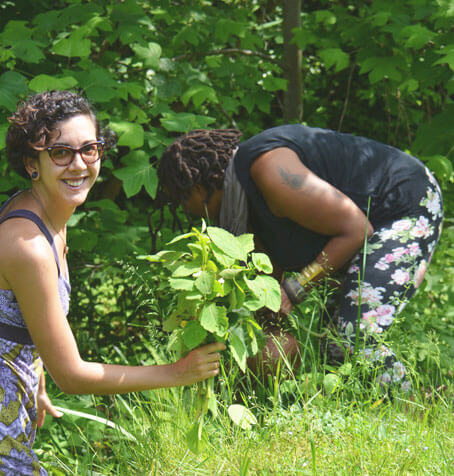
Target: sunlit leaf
[
  {"x": 242, "y": 416},
  {"x": 138, "y": 173},
  {"x": 262, "y": 262},
  {"x": 238, "y": 348},
  {"x": 214, "y": 319},
  {"x": 204, "y": 282},
  {"x": 44, "y": 82},
  {"x": 129, "y": 133},
  {"x": 227, "y": 242}
]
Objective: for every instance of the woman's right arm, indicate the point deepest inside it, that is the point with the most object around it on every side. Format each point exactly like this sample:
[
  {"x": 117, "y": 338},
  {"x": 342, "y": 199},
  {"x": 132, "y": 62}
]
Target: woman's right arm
[{"x": 31, "y": 272}]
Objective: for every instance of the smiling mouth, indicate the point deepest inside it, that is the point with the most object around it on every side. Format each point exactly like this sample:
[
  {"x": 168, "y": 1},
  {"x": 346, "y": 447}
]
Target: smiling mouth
[{"x": 75, "y": 182}]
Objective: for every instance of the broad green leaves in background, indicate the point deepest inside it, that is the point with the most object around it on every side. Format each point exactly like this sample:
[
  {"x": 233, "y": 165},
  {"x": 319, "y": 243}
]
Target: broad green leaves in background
[
  {"x": 11, "y": 86},
  {"x": 381, "y": 69}
]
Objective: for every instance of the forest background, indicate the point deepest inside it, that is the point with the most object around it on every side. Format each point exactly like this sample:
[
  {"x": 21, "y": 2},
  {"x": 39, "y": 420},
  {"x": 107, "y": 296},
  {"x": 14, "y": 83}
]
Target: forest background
[{"x": 154, "y": 70}]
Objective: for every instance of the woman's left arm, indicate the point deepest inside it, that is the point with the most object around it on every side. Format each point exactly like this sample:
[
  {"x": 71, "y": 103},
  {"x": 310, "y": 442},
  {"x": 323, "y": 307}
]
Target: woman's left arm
[
  {"x": 291, "y": 190},
  {"x": 43, "y": 403}
]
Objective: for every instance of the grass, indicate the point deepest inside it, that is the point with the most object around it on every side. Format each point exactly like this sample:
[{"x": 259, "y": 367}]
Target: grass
[{"x": 326, "y": 436}]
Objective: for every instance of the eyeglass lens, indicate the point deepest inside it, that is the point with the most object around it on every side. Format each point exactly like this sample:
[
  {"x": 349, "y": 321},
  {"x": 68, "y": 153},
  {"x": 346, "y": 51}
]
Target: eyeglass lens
[{"x": 64, "y": 155}]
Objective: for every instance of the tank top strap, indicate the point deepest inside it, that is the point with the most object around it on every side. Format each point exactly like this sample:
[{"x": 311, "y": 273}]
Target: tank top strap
[
  {"x": 4, "y": 204},
  {"x": 38, "y": 222}
]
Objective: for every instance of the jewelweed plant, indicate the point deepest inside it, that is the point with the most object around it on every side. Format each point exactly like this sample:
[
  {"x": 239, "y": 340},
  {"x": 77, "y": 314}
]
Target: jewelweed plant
[{"x": 209, "y": 285}]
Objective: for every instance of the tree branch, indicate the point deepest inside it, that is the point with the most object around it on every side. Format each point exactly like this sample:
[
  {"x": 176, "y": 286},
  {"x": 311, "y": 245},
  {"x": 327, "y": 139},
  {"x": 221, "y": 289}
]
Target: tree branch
[
  {"x": 347, "y": 96},
  {"x": 228, "y": 52}
]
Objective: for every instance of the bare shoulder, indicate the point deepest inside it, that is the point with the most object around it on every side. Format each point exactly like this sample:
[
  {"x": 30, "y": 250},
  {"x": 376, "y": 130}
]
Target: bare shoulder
[
  {"x": 24, "y": 250},
  {"x": 274, "y": 159},
  {"x": 277, "y": 174}
]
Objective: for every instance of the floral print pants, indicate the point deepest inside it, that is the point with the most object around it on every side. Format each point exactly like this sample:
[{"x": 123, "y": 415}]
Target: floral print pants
[{"x": 378, "y": 285}]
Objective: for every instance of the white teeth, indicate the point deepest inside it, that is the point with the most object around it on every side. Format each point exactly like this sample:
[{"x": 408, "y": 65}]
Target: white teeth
[{"x": 74, "y": 183}]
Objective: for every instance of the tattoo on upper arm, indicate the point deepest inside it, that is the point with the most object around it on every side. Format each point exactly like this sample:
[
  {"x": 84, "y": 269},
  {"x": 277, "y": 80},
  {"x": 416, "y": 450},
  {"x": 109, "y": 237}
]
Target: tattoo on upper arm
[{"x": 294, "y": 181}]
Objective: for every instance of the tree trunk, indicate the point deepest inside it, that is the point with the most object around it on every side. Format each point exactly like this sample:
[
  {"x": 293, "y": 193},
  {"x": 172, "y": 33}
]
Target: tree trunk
[{"x": 293, "y": 98}]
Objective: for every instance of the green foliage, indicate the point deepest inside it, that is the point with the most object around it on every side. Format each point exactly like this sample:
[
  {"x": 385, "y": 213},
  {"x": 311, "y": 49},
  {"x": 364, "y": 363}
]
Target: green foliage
[
  {"x": 209, "y": 284},
  {"x": 217, "y": 286},
  {"x": 154, "y": 70},
  {"x": 381, "y": 69}
]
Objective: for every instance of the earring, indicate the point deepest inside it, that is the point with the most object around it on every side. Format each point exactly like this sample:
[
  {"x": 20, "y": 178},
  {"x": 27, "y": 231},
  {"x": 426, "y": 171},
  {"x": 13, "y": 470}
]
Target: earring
[{"x": 34, "y": 175}]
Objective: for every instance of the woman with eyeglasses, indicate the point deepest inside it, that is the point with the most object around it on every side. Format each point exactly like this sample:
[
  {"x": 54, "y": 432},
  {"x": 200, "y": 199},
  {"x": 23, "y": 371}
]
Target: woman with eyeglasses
[{"x": 55, "y": 140}]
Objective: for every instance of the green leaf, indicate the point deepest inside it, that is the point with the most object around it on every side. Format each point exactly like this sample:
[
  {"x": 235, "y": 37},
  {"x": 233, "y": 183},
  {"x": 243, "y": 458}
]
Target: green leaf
[
  {"x": 187, "y": 269},
  {"x": 12, "y": 84},
  {"x": 137, "y": 174},
  {"x": 204, "y": 282},
  {"x": 224, "y": 260},
  {"x": 242, "y": 416},
  {"x": 272, "y": 84},
  {"x": 247, "y": 242},
  {"x": 262, "y": 262},
  {"x": 238, "y": 347},
  {"x": 381, "y": 18},
  {"x": 214, "y": 319},
  {"x": 382, "y": 68},
  {"x": 171, "y": 323},
  {"x": 226, "y": 27},
  {"x": 231, "y": 273},
  {"x": 73, "y": 46},
  {"x": 227, "y": 243},
  {"x": 349, "y": 330},
  {"x": 28, "y": 51},
  {"x": 103, "y": 421},
  {"x": 331, "y": 382},
  {"x": 345, "y": 369},
  {"x": 98, "y": 82},
  {"x": 149, "y": 54},
  {"x": 17, "y": 35},
  {"x": 334, "y": 57},
  {"x": 184, "y": 236},
  {"x": 181, "y": 284},
  {"x": 187, "y": 34},
  {"x": 3, "y": 129},
  {"x": 184, "y": 121},
  {"x": 103, "y": 204},
  {"x": 326, "y": 17},
  {"x": 44, "y": 82},
  {"x": 416, "y": 36},
  {"x": 302, "y": 37},
  {"x": 236, "y": 298},
  {"x": 440, "y": 165},
  {"x": 409, "y": 85},
  {"x": 15, "y": 31},
  {"x": 267, "y": 290},
  {"x": 199, "y": 94},
  {"x": 129, "y": 134},
  {"x": 83, "y": 240},
  {"x": 193, "y": 334},
  {"x": 448, "y": 56},
  {"x": 194, "y": 443},
  {"x": 253, "y": 303}
]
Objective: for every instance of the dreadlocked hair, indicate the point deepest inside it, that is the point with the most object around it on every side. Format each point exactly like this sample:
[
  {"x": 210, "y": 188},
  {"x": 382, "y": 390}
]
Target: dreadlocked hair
[{"x": 200, "y": 157}]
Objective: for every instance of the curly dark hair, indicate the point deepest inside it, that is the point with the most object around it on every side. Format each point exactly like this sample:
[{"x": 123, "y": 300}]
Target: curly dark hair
[
  {"x": 200, "y": 157},
  {"x": 36, "y": 119}
]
